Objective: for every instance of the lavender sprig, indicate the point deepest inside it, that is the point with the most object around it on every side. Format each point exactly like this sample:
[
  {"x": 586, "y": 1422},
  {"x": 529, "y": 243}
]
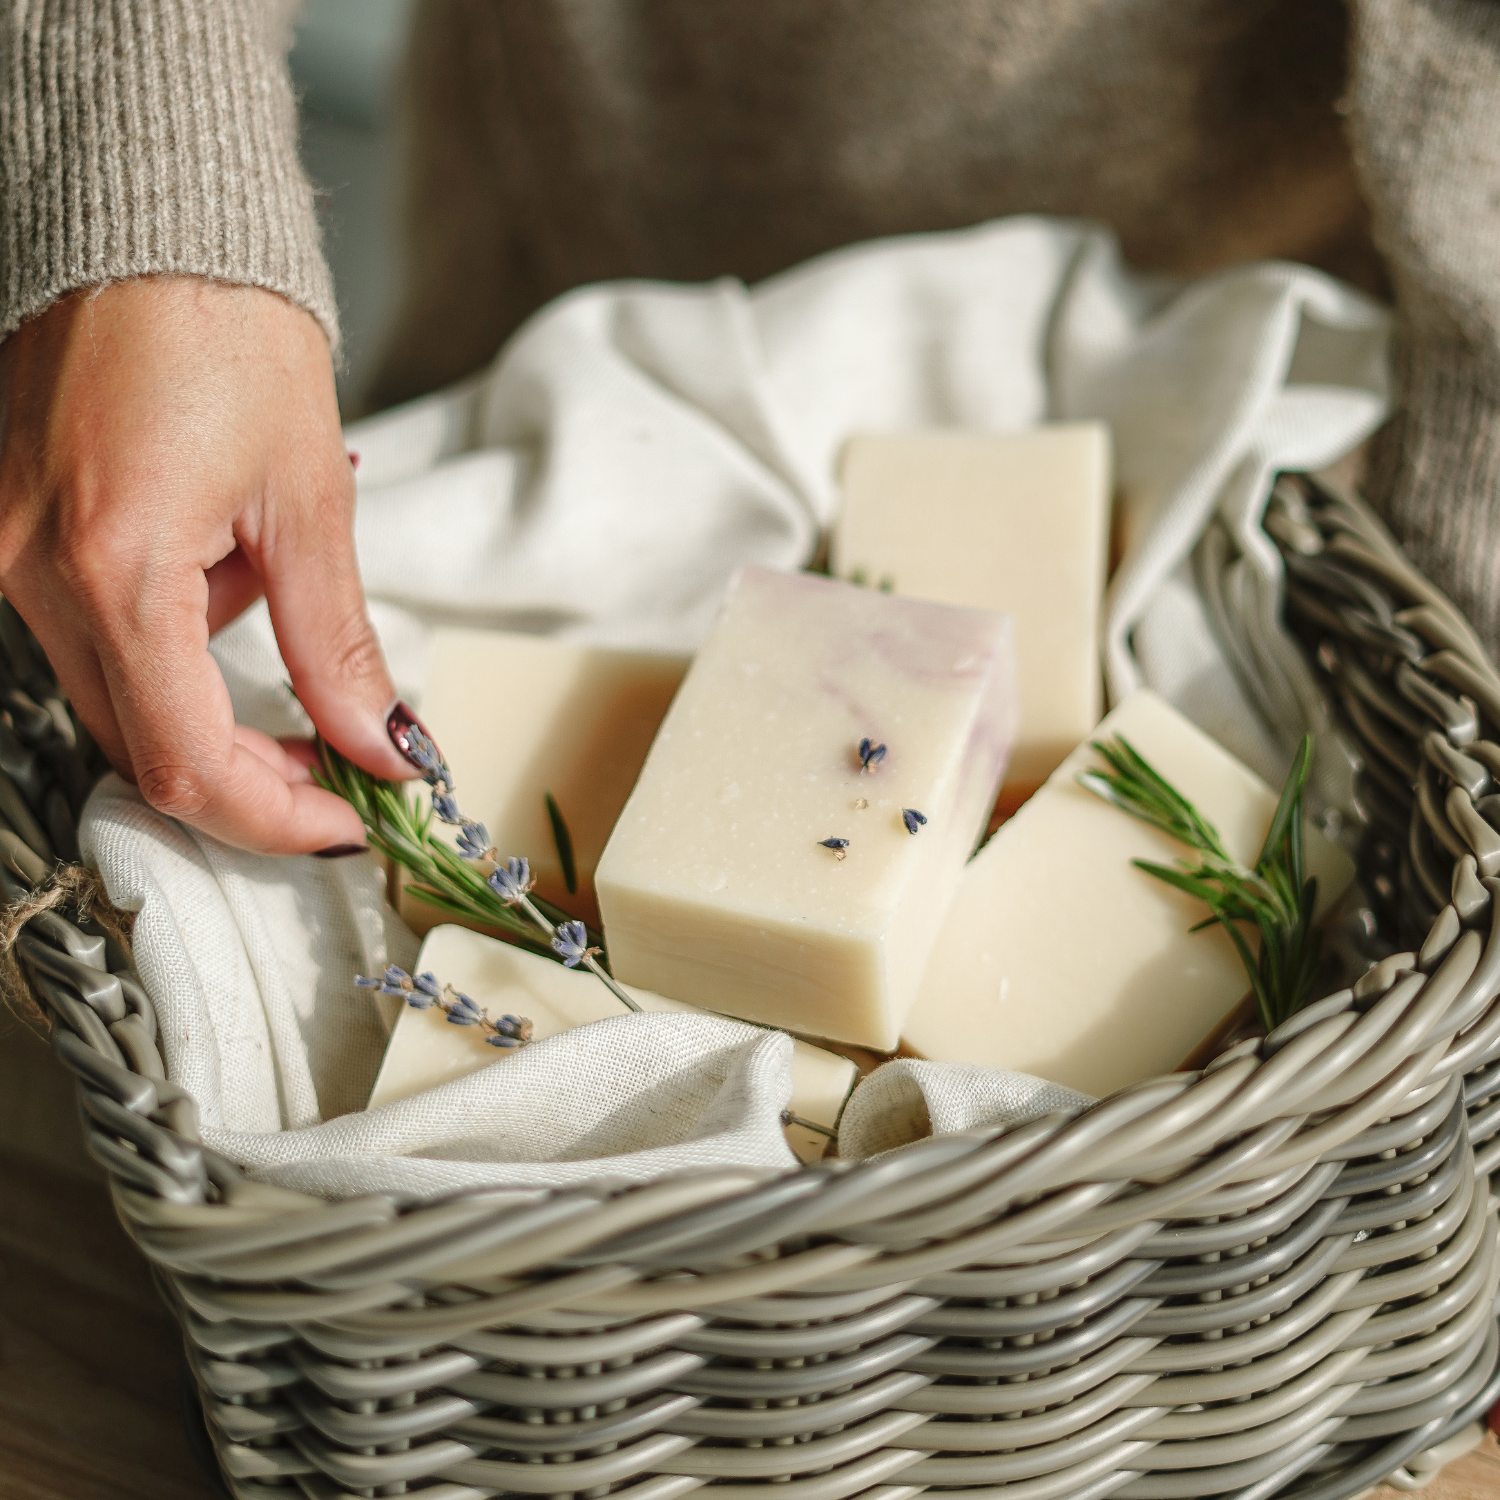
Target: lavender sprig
[
  {"x": 423, "y": 992},
  {"x": 569, "y": 940},
  {"x": 471, "y": 881},
  {"x": 444, "y": 877}
]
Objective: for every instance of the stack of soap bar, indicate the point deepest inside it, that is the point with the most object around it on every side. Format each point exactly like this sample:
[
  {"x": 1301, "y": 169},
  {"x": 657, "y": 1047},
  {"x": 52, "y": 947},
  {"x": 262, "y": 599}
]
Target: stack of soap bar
[
  {"x": 1016, "y": 523},
  {"x": 425, "y": 1050},
  {"x": 717, "y": 887},
  {"x": 517, "y": 717},
  {"x": 1061, "y": 959}
]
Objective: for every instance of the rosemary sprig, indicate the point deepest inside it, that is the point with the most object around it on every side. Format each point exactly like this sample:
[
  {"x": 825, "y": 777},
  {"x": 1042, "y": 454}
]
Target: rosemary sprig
[
  {"x": 403, "y": 832},
  {"x": 469, "y": 881},
  {"x": 1276, "y": 896}
]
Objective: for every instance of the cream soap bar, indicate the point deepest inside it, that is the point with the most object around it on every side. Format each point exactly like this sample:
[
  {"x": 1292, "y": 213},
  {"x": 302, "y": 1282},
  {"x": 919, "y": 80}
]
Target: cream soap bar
[
  {"x": 517, "y": 717},
  {"x": 1061, "y": 959},
  {"x": 425, "y": 1050},
  {"x": 1016, "y": 523},
  {"x": 717, "y": 887}
]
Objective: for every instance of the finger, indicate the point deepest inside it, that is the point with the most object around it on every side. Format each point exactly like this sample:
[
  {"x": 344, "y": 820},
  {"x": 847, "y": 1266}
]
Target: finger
[
  {"x": 303, "y": 752},
  {"x": 189, "y": 758},
  {"x": 317, "y": 608},
  {"x": 287, "y": 766},
  {"x": 233, "y": 586},
  {"x": 72, "y": 656}
]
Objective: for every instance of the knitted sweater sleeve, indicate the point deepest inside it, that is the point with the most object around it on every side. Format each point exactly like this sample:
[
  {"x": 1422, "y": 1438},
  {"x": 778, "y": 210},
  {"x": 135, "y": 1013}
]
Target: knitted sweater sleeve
[
  {"x": 151, "y": 137},
  {"x": 1424, "y": 106}
]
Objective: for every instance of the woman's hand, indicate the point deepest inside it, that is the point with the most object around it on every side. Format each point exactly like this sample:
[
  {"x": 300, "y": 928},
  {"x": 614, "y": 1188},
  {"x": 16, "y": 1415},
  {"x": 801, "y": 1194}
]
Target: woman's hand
[{"x": 169, "y": 451}]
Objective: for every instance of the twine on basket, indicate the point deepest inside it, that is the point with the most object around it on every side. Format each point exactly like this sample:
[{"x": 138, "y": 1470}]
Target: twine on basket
[{"x": 73, "y": 886}]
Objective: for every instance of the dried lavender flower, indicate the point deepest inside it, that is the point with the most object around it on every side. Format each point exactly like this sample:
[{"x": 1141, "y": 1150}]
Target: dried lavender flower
[
  {"x": 912, "y": 818},
  {"x": 840, "y": 847},
  {"x": 512, "y": 881},
  {"x": 513, "y": 1030},
  {"x": 870, "y": 755},
  {"x": 462, "y": 1011},
  {"x": 474, "y": 840},
  {"x": 419, "y": 993},
  {"x": 570, "y": 943},
  {"x": 428, "y": 759},
  {"x": 445, "y": 805}
]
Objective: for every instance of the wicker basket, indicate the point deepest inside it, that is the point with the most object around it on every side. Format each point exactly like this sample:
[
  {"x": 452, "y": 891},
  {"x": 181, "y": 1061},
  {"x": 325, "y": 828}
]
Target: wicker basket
[{"x": 1276, "y": 1276}]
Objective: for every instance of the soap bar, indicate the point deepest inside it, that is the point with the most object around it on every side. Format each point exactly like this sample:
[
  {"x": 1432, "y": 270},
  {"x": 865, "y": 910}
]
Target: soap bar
[
  {"x": 425, "y": 1050},
  {"x": 720, "y": 885},
  {"x": 519, "y": 716},
  {"x": 1061, "y": 959},
  {"x": 1018, "y": 523}
]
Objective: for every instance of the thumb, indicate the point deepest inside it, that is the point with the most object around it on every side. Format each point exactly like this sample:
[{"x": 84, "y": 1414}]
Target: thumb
[{"x": 318, "y": 612}]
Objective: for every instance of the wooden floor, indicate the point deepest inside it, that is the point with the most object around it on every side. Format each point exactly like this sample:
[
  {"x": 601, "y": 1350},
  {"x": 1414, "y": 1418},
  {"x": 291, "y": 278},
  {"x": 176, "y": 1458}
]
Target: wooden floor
[
  {"x": 1476, "y": 1477},
  {"x": 90, "y": 1359}
]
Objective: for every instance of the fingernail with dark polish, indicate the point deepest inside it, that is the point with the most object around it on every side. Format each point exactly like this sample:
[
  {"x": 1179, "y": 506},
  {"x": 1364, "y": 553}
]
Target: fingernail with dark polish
[
  {"x": 399, "y": 724},
  {"x": 342, "y": 851}
]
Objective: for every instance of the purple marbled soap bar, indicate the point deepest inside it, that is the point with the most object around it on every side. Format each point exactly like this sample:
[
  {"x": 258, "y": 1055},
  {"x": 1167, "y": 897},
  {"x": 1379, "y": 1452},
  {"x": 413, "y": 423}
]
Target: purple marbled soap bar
[{"x": 724, "y": 883}]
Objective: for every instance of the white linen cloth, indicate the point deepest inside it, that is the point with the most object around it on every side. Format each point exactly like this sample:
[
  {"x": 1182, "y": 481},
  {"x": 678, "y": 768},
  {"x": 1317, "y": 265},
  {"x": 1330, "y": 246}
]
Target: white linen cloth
[
  {"x": 630, "y": 447},
  {"x": 907, "y": 1099}
]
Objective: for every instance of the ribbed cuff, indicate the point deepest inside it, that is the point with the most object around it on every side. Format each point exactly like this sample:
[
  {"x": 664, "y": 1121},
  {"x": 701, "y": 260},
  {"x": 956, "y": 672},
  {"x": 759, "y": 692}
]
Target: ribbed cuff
[
  {"x": 151, "y": 137},
  {"x": 1435, "y": 474}
]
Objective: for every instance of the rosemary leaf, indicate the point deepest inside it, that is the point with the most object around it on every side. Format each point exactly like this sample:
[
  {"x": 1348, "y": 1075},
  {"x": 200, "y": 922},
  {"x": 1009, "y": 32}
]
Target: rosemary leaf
[{"x": 563, "y": 840}]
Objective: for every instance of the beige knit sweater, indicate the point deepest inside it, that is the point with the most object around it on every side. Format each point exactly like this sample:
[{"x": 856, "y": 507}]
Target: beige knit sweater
[
  {"x": 151, "y": 136},
  {"x": 560, "y": 141}
]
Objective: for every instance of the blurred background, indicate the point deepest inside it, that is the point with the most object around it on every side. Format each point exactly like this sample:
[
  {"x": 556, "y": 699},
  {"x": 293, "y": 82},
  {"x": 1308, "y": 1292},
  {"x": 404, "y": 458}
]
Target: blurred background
[{"x": 345, "y": 65}]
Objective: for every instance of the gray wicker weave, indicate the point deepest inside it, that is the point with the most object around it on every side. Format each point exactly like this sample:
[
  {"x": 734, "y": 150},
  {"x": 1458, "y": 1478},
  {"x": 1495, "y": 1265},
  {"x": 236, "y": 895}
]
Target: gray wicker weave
[{"x": 1276, "y": 1276}]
